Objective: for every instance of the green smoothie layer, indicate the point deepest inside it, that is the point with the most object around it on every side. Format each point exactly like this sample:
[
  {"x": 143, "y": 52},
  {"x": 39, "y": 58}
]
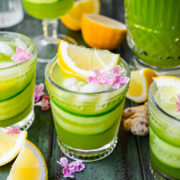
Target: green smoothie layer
[{"x": 47, "y": 9}]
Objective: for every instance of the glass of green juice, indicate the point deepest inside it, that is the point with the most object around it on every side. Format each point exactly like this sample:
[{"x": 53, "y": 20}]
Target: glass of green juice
[
  {"x": 154, "y": 34},
  {"x": 164, "y": 133},
  {"x": 49, "y": 11},
  {"x": 17, "y": 81},
  {"x": 86, "y": 119}
]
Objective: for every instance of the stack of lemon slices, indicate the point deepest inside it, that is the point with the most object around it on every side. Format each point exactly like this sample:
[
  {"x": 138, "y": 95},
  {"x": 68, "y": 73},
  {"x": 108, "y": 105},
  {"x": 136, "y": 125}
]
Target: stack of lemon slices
[{"x": 29, "y": 164}]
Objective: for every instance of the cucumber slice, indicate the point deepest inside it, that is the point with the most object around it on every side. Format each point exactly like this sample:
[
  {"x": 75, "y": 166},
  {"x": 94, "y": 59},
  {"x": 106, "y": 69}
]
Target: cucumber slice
[{"x": 164, "y": 152}]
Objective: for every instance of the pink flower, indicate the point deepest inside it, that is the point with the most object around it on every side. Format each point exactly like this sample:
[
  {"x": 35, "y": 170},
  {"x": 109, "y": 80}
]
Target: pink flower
[
  {"x": 116, "y": 69},
  {"x": 69, "y": 168},
  {"x": 119, "y": 80},
  {"x": 13, "y": 131},
  {"x": 178, "y": 103},
  {"x": 114, "y": 78},
  {"x": 44, "y": 103},
  {"x": 39, "y": 91},
  {"x": 76, "y": 166},
  {"x": 21, "y": 55}
]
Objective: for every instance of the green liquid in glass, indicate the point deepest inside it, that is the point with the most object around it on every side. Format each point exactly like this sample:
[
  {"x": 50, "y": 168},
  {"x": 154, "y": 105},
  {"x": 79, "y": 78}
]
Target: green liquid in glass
[
  {"x": 154, "y": 31},
  {"x": 164, "y": 139},
  {"x": 47, "y": 9},
  {"x": 84, "y": 121},
  {"x": 17, "y": 82}
]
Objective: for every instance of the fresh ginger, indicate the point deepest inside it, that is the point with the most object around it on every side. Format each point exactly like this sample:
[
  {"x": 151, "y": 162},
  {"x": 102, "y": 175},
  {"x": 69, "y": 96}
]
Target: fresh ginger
[{"x": 136, "y": 120}]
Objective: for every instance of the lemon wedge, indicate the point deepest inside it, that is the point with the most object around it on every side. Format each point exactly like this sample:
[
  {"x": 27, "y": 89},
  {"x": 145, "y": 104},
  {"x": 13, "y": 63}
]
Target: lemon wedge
[
  {"x": 102, "y": 32},
  {"x": 10, "y": 145},
  {"x": 168, "y": 90},
  {"x": 29, "y": 165},
  {"x": 73, "y": 19},
  {"x": 140, "y": 81},
  {"x": 80, "y": 61}
]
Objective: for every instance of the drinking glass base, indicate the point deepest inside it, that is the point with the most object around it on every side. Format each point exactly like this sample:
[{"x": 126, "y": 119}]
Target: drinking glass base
[
  {"x": 158, "y": 175},
  {"x": 47, "y": 49},
  {"x": 88, "y": 155},
  {"x": 26, "y": 122},
  {"x": 139, "y": 64}
]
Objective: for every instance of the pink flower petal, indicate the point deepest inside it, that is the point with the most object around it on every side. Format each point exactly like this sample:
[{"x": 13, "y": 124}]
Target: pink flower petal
[
  {"x": 109, "y": 82},
  {"x": 13, "y": 131},
  {"x": 44, "y": 103},
  {"x": 92, "y": 79},
  {"x": 105, "y": 74},
  {"x": 21, "y": 55},
  {"x": 178, "y": 104},
  {"x": 76, "y": 166},
  {"x": 39, "y": 92},
  {"x": 67, "y": 173},
  {"x": 64, "y": 162},
  {"x": 116, "y": 69}
]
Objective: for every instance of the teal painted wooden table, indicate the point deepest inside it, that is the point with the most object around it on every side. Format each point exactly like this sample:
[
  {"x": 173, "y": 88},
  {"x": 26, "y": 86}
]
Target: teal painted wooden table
[{"x": 130, "y": 159}]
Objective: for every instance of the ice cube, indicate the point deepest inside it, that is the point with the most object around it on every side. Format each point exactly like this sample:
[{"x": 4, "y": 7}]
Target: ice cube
[
  {"x": 72, "y": 84},
  {"x": 6, "y": 49},
  {"x": 20, "y": 44},
  {"x": 90, "y": 88},
  {"x": 69, "y": 82}
]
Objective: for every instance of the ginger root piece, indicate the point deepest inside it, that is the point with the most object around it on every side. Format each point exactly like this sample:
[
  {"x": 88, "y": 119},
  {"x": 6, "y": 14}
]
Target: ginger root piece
[{"x": 136, "y": 120}]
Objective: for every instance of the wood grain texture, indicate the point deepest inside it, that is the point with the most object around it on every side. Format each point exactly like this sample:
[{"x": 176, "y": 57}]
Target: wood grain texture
[{"x": 130, "y": 159}]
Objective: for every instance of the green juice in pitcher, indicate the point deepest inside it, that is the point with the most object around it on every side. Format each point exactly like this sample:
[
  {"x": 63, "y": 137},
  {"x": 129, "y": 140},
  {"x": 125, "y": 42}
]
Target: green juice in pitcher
[{"x": 154, "y": 31}]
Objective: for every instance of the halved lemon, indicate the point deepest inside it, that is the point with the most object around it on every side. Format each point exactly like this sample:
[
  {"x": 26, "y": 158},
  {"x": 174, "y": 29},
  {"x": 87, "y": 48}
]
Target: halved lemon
[
  {"x": 73, "y": 19},
  {"x": 10, "y": 145},
  {"x": 102, "y": 32},
  {"x": 168, "y": 90},
  {"x": 80, "y": 61},
  {"x": 140, "y": 81},
  {"x": 29, "y": 165}
]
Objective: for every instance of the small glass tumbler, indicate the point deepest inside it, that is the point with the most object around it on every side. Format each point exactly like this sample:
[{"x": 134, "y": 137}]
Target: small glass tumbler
[
  {"x": 164, "y": 141},
  {"x": 86, "y": 123},
  {"x": 17, "y": 81},
  {"x": 11, "y": 13}
]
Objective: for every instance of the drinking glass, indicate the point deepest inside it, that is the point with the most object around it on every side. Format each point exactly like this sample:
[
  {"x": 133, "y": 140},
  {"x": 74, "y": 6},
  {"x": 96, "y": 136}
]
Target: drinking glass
[
  {"x": 154, "y": 34},
  {"x": 11, "y": 13},
  {"x": 164, "y": 141},
  {"x": 17, "y": 81},
  {"x": 86, "y": 123},
  {"x": 49, "y": 11}
]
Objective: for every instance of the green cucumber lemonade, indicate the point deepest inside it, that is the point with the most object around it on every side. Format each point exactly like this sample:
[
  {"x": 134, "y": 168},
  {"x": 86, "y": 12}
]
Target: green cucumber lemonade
[
  {"x": 47, "y": 9},
  {"x": 154, "y": 31},
  {"x": 17, "y": 80},
  {"x": 87, "y": 116},
  {"x": 165, "y": 127}
]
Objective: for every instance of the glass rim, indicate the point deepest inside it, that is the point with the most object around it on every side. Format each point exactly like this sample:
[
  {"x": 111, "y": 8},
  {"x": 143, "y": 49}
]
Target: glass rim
[
  {"x": 49, "y": 79},
  {"x": 20, "y": 36},
  {"x": 151, "y": 98}
]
